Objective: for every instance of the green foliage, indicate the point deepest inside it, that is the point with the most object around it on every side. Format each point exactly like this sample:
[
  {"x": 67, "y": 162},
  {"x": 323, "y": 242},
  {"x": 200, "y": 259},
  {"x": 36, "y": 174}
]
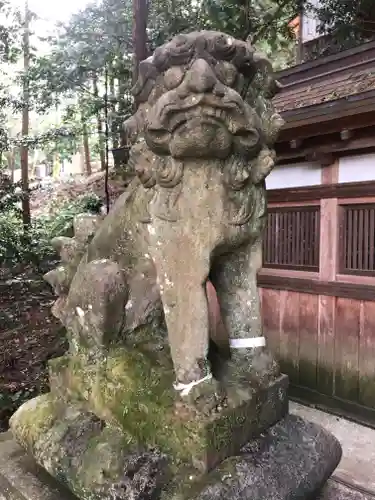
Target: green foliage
[
  {"x": 10, "y": 40},
  {"x": 10, "y": 194},
  {"x": 348, "y": 21},
  {"x": 34, "y": 247},
  {"x": 12, "y": 241},
  {"x": 99, "y": 39},
  {"x": 93, "y": 42},
  {"x": 265, "y": 22}
]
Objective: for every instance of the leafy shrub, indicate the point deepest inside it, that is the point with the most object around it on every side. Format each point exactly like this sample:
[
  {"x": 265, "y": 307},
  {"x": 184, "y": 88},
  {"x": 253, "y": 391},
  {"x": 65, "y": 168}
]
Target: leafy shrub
[
  {"x": 12, "y": 242},
  {"x": 10, "y": 194},
  {"x": 35, "y": 246}
]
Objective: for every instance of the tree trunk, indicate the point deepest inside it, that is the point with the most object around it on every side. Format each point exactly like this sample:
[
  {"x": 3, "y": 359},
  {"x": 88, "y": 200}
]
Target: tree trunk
[
  {"x": 99, "y": 124},
  {"x": 122, "y": 89},
  {"x": 106, "y": 105},
  {"x": 11, "y": 164},
  {"x": 114, "y": 122},
  {"x": 140, "y": 13},
  {"x": 26, "y": 217},
  {"x": 86, "y": 149}
]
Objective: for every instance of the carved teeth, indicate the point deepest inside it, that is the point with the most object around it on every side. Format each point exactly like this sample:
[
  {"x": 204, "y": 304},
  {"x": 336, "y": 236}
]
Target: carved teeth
[{"x": 197, "y": 112}]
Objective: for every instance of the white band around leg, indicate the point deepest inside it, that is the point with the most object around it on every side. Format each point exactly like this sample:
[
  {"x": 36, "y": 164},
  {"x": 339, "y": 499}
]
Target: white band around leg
[
  {"x": 249, "y": 343},
  {"x": 186, "y": 388}
]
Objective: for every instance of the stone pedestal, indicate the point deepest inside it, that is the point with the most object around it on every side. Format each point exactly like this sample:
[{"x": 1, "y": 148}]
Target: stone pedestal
[
  {"x": 108, "y": 420},
  {"x": 291, "y": 461}
]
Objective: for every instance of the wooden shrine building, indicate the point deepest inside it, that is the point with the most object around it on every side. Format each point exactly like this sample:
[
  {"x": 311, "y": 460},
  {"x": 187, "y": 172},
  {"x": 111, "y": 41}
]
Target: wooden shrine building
[{"x": 318, "y": 279}]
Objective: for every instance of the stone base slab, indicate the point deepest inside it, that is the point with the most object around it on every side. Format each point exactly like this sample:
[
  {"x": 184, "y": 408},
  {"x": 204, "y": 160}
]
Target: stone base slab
[{"x": 292, "y": 461}]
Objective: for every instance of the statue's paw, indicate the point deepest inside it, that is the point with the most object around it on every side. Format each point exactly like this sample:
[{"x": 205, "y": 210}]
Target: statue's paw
[
  {"x": 247, "y": 372},
  {"x": 205, "y": 398}
]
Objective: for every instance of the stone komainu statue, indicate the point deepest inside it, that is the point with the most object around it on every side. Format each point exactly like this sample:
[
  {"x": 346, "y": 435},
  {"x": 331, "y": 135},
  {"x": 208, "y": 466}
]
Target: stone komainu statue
[
  {"x": 145, "y": 403},
  {"x": 201, "y": 148}
]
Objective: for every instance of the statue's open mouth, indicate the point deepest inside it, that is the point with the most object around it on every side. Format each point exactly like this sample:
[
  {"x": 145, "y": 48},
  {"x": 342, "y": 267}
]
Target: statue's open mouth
[
  {"x": 201, "y": 124},
  {"x": 225, "y": 111},
  {"x": 205, "y": 113}
]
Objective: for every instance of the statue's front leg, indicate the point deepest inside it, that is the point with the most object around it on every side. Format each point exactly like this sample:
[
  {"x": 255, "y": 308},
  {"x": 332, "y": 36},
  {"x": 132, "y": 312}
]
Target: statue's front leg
[
  {"x": 234, "y": 276},
  {"x": 182, "y": 269}
]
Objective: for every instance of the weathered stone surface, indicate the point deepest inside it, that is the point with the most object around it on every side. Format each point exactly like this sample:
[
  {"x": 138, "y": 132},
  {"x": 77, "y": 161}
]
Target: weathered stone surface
[
  {"x": 336, "y": 491},
  {"x": 201, "y": 149},
  {"x": 291, "y": 461},
  {"x": 134, "y": 392},
  {"x": 22, "y": 479},
  {"x": 95, "y": 460}
]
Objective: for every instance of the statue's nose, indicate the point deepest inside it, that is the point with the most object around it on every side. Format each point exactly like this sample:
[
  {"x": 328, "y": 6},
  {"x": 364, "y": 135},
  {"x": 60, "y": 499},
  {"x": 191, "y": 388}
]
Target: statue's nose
[{"x": 200, "y": 78}]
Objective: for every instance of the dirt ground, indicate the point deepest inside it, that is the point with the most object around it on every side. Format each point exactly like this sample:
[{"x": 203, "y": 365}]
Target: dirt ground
[{"x": 29, "y": 337}]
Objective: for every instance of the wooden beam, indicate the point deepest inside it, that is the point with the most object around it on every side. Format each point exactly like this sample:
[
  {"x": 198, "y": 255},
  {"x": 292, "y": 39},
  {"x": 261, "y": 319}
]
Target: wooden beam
[
  {"x": 317, "y": 287},
  {"x": 312, "y": 193},
  {"x": 317, "y": 145},
  {"x": 325, "y": 159},
  {"x": 346, "y": 134}
]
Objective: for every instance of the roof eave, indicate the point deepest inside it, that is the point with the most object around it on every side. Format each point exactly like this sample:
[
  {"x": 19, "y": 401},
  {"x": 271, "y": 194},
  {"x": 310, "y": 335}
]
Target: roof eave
[{"x": 298, "y": 121}]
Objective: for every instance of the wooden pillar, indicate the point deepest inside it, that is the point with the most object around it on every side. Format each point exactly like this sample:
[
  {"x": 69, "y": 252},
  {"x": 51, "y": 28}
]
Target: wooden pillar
[
  {"x": 328, "y": 270},
  {"x": 329, "y": 227}
]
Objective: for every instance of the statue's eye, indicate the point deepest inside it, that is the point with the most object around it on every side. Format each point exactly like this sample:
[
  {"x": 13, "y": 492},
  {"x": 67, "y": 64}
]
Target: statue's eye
[
  {"x": 173, "y": 77},
  {"x": 226, "y": 73}
]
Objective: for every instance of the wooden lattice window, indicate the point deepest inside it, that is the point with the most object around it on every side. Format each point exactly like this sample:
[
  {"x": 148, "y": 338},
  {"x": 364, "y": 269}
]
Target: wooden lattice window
[
  {"x": 291, "y": 240},
  {"x": 357, "y": 242}
]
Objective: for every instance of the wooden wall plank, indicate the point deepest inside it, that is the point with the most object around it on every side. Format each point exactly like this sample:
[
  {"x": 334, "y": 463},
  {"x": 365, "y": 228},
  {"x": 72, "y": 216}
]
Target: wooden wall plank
[
  {"x": 347, "y": 327},
  {"x": 289, "y": 334},
  {"x": 271, "y": 318},
  {"x": 326, "y": 344},
  {"x": 218, "y": 332},
  {"x": 367, "y": 356},
  {"x": 308, "y": 339}
]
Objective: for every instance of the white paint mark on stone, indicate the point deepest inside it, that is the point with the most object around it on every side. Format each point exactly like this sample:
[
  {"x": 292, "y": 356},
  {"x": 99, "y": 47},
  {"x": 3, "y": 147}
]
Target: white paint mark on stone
[
  {"x": 166, "y": 310},
  {"x": 230, "y": 40},
  {"x": 80, "y": 312},
  {"x": 147, "y": 255},
  {"x": 151, "y": 229},
  {"x": 129, "y": 305},
  {"x": 90, "y": 307},
  {"x": 184, "y": 389},
  {"x": 100, "y": 261}
]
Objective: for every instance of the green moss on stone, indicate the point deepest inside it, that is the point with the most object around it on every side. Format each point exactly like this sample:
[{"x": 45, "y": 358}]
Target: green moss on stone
[
  {"x": 34, "y": 418},
  {"x": 140, "y": 395}
]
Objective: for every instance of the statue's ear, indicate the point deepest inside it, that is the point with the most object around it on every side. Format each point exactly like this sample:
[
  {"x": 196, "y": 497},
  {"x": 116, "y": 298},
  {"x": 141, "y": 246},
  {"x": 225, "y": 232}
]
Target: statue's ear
[{"x": 262, "y": 165}]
